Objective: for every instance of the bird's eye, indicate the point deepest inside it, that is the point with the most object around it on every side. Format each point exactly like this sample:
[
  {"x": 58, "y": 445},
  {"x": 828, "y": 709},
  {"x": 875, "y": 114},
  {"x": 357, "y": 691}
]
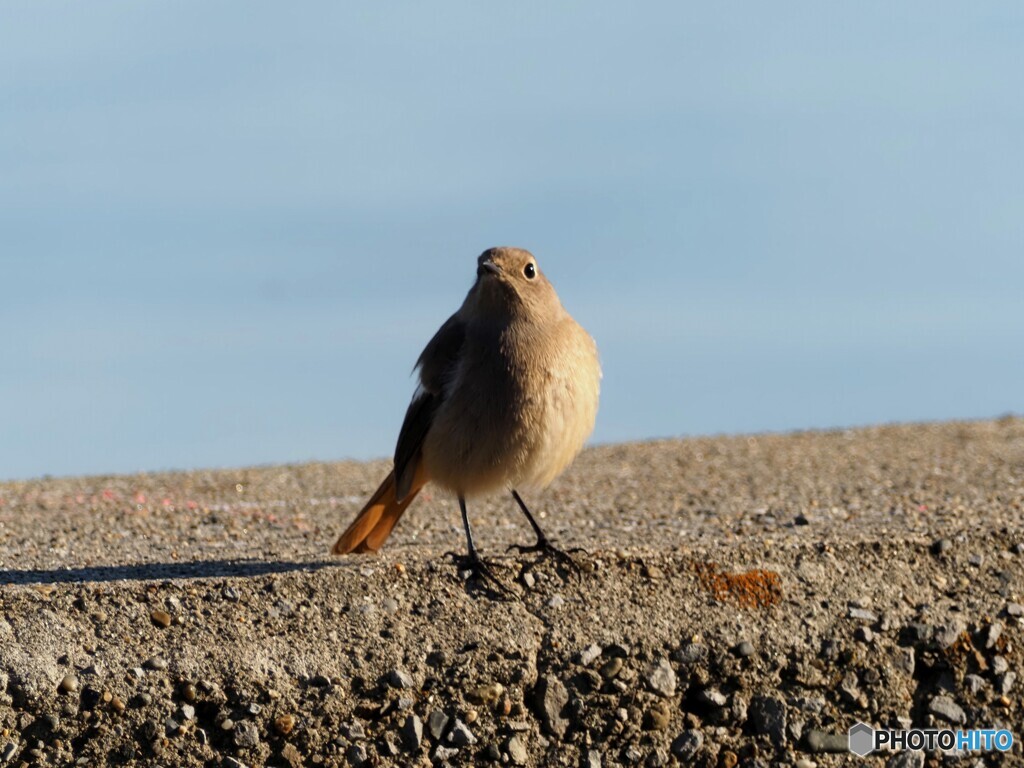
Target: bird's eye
[{"x": 530, "y": 271}]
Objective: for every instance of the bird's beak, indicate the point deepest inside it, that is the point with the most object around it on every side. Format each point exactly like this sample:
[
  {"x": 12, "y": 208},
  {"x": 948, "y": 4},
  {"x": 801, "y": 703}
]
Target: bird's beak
[{"x": 487, "y": 267}]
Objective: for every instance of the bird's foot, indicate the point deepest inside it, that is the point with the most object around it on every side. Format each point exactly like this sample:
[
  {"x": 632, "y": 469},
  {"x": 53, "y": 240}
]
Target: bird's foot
[
  {"x": 547, "y": 549},
  {"x": 476, "y": 568}
]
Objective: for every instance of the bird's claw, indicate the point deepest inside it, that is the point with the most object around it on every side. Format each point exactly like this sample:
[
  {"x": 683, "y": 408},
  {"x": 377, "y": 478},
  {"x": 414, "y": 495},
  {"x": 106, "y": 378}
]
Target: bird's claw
[
  {"x": 547, "y": 549},
  {"x": 479, "y": 569}
]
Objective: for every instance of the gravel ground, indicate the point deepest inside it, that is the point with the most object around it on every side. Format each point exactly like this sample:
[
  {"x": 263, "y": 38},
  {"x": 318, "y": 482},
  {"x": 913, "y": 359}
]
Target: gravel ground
[{"x": 740, "y": 601}]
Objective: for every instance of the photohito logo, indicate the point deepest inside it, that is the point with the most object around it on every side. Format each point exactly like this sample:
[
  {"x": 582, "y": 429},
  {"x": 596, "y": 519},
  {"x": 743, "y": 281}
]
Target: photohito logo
[{"x": 864, "y": 740}]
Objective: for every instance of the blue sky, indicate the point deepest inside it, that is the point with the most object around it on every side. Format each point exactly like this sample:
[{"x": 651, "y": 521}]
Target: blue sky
[{"x": 226, "y": 231}]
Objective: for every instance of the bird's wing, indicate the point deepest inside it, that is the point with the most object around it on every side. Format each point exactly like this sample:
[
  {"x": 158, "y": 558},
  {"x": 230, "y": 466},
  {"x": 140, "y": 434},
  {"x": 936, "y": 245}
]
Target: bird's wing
[{"x": 436, "y": 364}]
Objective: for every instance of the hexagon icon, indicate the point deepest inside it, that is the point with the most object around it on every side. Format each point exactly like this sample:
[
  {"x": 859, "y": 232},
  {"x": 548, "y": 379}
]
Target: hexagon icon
[{"x": 862, "y": 739}]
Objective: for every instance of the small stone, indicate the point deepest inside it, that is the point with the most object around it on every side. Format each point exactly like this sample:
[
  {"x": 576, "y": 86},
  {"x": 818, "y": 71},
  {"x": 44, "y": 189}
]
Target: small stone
[
  {"x": 999, "y": 665},
  {"x": 353, "y": 731},
  {"x": 529, "y": 580},
  {"x": 941, "y": 546},
  {"x": 8, "y": 752},
  {"x": 691, "y": 653},
  {"x": 822, "y": 741},
  {"x": 612, "y": 667},
  {"x": 69, "y": 684},
  {"x": 254, "y": 708},
  {"x": 974, "y": 684},
  {"x": 356, "y": 755},
  {"x": 590, "y": 654},
  {"x": 657, "y": 717},
  {"x": 516, "y": 749},
  {"x": 437, "y": 721},
  {"x": 187, "y": 712},
  {"x": 227, "y": 724},
  {"x": 443, "y": 754},
  {"x": 992, "y": 634},
  {"x": 284, "y": 724},
  {"x": 486, "y": 694},
  {"x": 948, "y": 634},
  {"x": 492, "y": 753},
  {"x": 864, "y": 634},
  {"x": 727, "y": 759},
  {"x": 460, "y": 735},
  {"x": 592, "y": 759},
  {"x": 661, "y": 679},
  {"x": 687, "y": 744},
  {"x": 142, "y": 700},
  {"x": 768, "y": 716},
  {"x": 399, "y": 678},
  {"x": 862, "y": 614},
  {"x": 976, "y": 560},
  {"x": 1004, "y": 683},
  {"x": 117, "y": 704},
  {"x": 1014, "y": 609},
  {"x": 712, "y": 697},
  {"x": 321, "y": 681},
  {"x": 917, "y": 633},
  {"x": 556, "y": 601},
  {"x": 155, "y": 663},
  {"x": 412, "y": 733},
  {"x": 745, "y": 649},
  {"x": 904, "y": 660},
  {"x": 805, "y": 762},
  {"x": 551, "y": 697},
  {"x": 849, "y": 688},
  {"x": 160, "y": 618},
  {"x": 149, "y": 730},
  {"x": 188, "y": 692},
  {"x": 246, "y": 736},
  {"x": 657, "y": 759},
  {"x": 947, "y": 709}
]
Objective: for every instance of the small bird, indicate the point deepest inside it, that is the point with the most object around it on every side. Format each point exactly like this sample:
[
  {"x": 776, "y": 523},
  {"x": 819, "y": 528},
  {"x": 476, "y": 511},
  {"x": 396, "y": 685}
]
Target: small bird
[{"x": 507, "y": 395}]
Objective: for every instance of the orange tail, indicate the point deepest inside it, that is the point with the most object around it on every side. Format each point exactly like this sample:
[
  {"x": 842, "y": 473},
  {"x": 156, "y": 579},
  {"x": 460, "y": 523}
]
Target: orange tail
[{"x": 373, "y": 525}]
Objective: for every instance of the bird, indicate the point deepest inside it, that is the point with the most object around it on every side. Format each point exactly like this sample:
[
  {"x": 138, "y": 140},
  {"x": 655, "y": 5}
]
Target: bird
[{"x": 507, "y": 396}]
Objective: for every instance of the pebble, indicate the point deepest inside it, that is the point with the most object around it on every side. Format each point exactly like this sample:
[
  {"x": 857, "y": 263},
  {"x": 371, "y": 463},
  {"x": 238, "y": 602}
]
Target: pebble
[
  {"x": 686, "y": 744},
  {"x": 486, "y": 694},
  {"x": 412, "y": 733},
  {"x": 556, "y": 601},
  {"x": 69, "y": 684},
  {"x": 356, "y": 755},
  {"x": 437, "y": 721},
  {"x": 399, "y": 678},
  {"x": 442, "y": 754},
  {"x": 160, "y": 618},
  {"x": 712, "y": 697},
  {"x": 590, "y": 654},
  {"x": 156, "y": 663},
  {"x": 691, "y": 653},
  {"x": 187, "y": 712},
  {"x": 1004, "y": 683},
  {"x": 864, "y": 634},
  {"x": 948, "y": 634},
  {"x": 188, "y": 692},
  {"x": 592, "y": 759},
  {"x": 822, "y": 741},
  {"x": 862, "y": 614},
  {"x": 661, "y": 679},
  {"x": 804, "y": 762},
  {"x": 976, "y": 560},
  {"x": 7, "y": 753},
  {"x": 918, "y": 633},
  {"x": 1014, "y": 609},
  {"x": 999, "y": 665},
  {"x": 992, "y": 634},
  {"x": 551, "y": 698},
  {"x": 745, "y": 649},
  {"x": 529, "y": 580},
  {"x": 284, "y": 724},
  {"x": 975, "y": 684},
  {"x": 657, "y": 717},
  {"x": 947, "y": 709},
  {"x": 657, "y": 759},
  {"x": 516, "y": 749},
  {"x": 904, "y": 660},
  {"x": 460, "y": 735},
  {"x": 768, "y": 717},
  {"x": 728, "y": 759},
  {"x": 612, "y": 667},
  {"x": 941, "y": 546}
]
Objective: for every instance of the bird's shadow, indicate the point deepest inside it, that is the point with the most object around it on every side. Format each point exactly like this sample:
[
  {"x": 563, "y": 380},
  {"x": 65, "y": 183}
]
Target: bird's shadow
[{"x": 198, "y": 569}]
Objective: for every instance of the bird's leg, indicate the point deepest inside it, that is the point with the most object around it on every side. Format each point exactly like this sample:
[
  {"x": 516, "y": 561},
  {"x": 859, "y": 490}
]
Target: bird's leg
[
  {"x": 473, "y": 562},
  {"x": 543, "y": 544}
]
